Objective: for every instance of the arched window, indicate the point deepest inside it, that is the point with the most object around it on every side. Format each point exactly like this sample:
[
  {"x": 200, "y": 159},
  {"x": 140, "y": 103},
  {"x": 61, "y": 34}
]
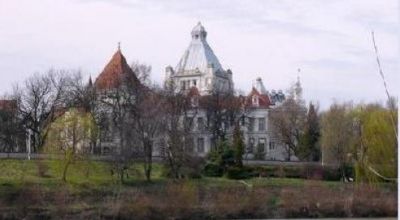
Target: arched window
[{"x": 255, "y": 100}]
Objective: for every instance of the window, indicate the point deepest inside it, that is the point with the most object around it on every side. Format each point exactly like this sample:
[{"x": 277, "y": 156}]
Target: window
[
  {"x": 261, "y": 124},
  {"x": 200, "y": 145},
  {"x": 189, "y": 144},
  {"x": 188, "y": 123},
  {"x": 226, "y": 125},
  {"x": 194, "y": 82},
  {"x": 242, "y": 121},
  {"x": 250, "y": 146},
  {"x": 261, "y": 145},
  {"x": 255, "y": 100},
  {"x": 251, "y": 124},
  {"x": 200, "y": 124},
  {"x": 271, "y": 145},
  {"x": 183, "y": 85}
]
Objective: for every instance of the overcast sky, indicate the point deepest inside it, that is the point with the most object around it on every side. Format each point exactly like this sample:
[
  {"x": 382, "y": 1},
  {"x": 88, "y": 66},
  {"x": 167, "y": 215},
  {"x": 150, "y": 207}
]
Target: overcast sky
[{"x": 330, "y": 41}]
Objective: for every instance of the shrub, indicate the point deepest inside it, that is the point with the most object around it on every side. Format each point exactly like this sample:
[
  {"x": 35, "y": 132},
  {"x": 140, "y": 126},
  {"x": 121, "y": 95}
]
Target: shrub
[
  {"x": 213, "y": 170},
  {"x": 331, "y": 174},
  {"x": 238, "y": 173}
]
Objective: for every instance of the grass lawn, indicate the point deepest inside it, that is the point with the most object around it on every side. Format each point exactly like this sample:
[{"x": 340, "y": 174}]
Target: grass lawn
[{"x": 92, "y": 192}]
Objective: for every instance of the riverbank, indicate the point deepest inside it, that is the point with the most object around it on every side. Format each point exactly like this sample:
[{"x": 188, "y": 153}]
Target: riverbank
[{"x": 92, "y": 192}]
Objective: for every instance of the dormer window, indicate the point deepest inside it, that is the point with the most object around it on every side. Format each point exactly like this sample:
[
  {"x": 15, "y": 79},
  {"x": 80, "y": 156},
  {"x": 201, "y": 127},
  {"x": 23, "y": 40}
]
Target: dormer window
[{"x": 255, "y": 100}]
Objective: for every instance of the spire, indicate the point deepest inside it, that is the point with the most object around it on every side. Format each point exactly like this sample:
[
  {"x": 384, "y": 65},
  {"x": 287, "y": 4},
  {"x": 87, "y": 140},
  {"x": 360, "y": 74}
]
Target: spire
[
  {"x": 298, "y": 75},
  {"x": 90, "y": 81},
  {"x": 298, "y": 90},
  {"x": 119, "y": 46},
  {"x": 259, "y": 86},
  {"x": 115, "y": 72}
]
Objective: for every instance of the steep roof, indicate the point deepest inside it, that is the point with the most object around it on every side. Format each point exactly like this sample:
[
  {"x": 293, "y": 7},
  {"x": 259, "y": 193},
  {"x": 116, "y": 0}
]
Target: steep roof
[
  {"x": 114, "y": 73},
  {"x": 199, "y": 54},
  {"x": 263, "y": 99},
  {"x": 8, "y": 105},
  {"x": 259, "y": 86}
]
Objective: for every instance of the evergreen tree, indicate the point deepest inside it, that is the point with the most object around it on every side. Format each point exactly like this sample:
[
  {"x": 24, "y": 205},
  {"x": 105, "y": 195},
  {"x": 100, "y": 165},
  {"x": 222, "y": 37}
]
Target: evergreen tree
[
  {"x": 309, "y": 146},
  {"x": 238, "y": 146}
]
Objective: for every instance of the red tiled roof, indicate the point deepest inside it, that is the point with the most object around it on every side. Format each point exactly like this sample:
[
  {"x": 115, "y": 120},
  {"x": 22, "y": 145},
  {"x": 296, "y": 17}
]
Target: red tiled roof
[
  {"x": 263, "y": 100},
  {"x": 8, "y": 105},
  {"x": 114, "y": 73}
]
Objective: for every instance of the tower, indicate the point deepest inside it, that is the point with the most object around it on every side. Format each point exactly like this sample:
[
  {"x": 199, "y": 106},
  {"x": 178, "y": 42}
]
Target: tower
[{"x": 199, "y": 67}]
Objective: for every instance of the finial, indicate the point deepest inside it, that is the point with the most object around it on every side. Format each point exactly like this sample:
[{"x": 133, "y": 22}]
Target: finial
[
  {"x": 119, "y": 46},
  {"x": 90, "y": 81},
  {"x": 298, "y": 74}
]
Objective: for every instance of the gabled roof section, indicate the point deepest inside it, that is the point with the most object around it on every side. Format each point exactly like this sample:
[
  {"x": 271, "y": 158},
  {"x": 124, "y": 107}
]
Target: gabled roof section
[
  {"x": 263, "y": 100},
  {"x": 199, "y": 55},
  {"x": 114, "y": 73}
]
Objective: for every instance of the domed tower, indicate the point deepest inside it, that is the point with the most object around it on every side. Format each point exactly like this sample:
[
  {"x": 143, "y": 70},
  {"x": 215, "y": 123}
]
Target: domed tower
[{"x": 199, "y": 67}]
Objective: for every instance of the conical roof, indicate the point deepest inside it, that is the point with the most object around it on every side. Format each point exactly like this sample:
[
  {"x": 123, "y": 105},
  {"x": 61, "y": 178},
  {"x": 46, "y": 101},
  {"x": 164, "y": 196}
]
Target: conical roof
[
  {"x": 199, "y": 55},
  {"x": 114, "y": 73},
  {"x": 259, "y": 85}
]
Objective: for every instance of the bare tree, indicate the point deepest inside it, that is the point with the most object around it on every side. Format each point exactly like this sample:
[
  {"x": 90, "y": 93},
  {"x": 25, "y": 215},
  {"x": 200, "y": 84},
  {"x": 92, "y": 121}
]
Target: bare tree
[
  {"x": 222, "y": 109},
  {"x": 11, "y": 131},
  {"x": 142, "y": 72},
  {"x": 179, "y": 113},
  {"x": 147, "y": 121},
  {"x": 288, "y": 120},
  {"x": 38, "y": 100},
  {"x": 115, "y": 106}
]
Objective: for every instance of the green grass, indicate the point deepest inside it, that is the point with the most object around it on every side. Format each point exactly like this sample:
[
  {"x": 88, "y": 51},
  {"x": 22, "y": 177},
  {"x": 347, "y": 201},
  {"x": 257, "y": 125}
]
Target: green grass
[
  {"x": 97, "y": 175},
  {"x": 91, "y": 187}
]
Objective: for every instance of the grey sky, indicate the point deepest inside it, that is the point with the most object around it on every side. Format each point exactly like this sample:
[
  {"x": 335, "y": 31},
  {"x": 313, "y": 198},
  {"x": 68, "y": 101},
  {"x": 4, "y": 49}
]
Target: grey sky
[{"x": 329, "y": 41}]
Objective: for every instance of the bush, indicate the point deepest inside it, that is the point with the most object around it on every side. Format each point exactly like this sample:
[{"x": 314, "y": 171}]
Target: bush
[
  {"x": 331, "y": 174},
  {"x": 213, "y": 170},
  {"x": 315, "y": 172},
  {"x": 238, "y": 173}
]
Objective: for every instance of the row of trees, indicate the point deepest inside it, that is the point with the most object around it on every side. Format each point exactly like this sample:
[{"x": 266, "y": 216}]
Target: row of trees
[
  {"x": 141, "y": 114},
  {"x": 67, "y": 117},
  {"x": 360, "y": 139},
  {"x": 361, "y": 136}
]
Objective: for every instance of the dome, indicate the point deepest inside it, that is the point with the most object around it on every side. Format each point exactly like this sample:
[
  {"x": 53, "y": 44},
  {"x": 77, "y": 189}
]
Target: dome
[{"x": 198, "y": 56}]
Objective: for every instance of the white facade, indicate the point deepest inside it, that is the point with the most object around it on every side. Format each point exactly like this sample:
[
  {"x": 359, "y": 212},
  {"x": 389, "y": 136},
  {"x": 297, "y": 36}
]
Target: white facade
[{"x": 200, "y": 68}]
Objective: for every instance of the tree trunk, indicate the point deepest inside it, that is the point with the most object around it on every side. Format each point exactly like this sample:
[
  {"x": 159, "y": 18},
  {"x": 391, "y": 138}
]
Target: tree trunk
[
  {"x": 64, "y": 177},
  {"x": 148, "y": 159}
]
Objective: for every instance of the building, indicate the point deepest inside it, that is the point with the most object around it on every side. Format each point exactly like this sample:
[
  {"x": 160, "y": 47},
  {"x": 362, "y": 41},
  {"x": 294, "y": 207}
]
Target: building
[{"x": 199, "y": 74}]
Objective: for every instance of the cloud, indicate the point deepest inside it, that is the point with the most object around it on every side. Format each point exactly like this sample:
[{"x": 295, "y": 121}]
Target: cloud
[{"x": 329, "y": 40}]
